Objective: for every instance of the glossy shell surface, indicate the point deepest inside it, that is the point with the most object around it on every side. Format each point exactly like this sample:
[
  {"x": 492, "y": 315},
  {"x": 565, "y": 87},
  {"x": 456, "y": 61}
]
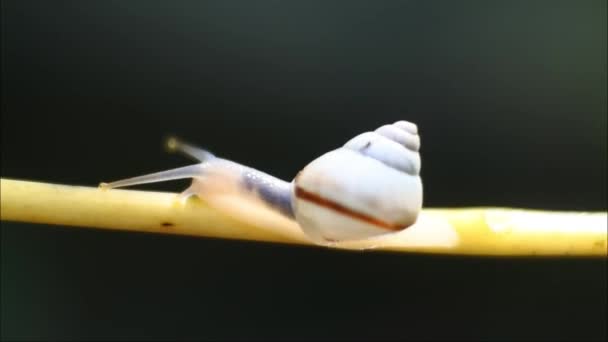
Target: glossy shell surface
[{"x": 370, "y": 186}]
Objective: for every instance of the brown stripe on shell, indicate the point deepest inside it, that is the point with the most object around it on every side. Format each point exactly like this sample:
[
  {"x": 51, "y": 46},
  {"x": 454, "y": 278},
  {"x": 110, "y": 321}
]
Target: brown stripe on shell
[{"x": 329, "y": 204}]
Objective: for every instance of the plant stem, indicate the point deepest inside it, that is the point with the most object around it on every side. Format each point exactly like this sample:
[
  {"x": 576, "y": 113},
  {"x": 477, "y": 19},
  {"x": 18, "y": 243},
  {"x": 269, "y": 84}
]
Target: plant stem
[{"x": 472, "y": 231}]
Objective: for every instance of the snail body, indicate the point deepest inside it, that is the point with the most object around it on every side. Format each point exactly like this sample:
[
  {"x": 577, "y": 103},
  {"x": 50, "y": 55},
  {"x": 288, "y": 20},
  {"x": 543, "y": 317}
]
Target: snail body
[{"x": 370, "y": 186}]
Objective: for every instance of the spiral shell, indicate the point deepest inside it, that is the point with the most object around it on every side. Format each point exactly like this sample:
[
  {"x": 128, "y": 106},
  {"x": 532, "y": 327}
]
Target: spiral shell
[{"x": 368, "y": 187}]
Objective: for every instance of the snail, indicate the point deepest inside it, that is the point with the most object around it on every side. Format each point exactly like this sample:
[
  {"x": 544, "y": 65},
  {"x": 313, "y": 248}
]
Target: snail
[{"x": 370, "y": 186}]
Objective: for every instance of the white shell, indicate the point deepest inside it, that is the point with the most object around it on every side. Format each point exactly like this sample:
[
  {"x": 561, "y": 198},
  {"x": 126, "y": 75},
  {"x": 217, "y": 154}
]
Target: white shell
[{"x": 370, "y": 186}]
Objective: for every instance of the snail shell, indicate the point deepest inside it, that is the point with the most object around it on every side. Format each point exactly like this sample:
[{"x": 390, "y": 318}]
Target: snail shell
[{"x": 370, "y": 186}]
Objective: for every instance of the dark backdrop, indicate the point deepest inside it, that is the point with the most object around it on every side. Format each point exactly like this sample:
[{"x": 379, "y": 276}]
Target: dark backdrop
[{"x": 510, "y": 98}]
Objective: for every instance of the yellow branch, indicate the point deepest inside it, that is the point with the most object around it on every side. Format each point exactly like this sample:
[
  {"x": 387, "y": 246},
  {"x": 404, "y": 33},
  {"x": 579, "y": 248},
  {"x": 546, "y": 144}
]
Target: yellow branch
[{"x": 472, "y": 231}]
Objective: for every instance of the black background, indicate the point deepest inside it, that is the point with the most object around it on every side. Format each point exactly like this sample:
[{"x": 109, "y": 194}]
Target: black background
[{"x": 510, "y": 98}]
